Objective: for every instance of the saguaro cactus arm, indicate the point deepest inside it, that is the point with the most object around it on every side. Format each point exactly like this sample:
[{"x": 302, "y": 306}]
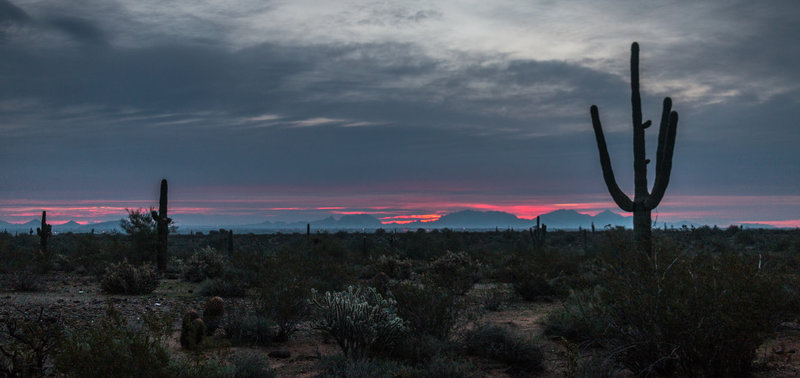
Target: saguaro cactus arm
[
  {"x": 666, "y": 146},
  {"x": 617, "y": 194}
]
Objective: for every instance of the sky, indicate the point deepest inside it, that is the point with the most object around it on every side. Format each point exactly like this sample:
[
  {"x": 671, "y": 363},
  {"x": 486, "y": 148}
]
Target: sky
[{"x": 294, "y": 110}]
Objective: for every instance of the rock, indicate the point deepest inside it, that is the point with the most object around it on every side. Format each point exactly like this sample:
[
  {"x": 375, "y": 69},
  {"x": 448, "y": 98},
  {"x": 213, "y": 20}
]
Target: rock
[{"x": 280, "y": 354}]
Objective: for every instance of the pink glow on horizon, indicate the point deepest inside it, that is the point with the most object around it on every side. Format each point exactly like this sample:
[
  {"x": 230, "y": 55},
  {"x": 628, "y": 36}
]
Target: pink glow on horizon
[
  {"x": 405, "y": 219},
  {"x": 408, "y": 207}
]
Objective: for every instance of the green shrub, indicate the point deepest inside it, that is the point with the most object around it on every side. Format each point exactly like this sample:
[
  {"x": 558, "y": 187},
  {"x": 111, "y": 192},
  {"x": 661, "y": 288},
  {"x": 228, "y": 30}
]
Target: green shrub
[
  {"x": 702, "y": 314},
  {"x": 361, "y": 321},
  {"x": 338, "y": 366},
  {"x": 223, "y": 288},
  {"x": 250, "y": 365},
  {"x": 393, "y": 267},
  {"x": 24, "y": 281},
  {"x": 521, "y": 354},
  {"x": 27, "y": 342},
  {"x": 426, "y": 308},
  {"x": 457, "y": 272},
  {"x": 124, "y": 278},
  {"x": 582, "y": 318},
  {"x": 204, "y": 263},
  {"x": 111, "y": 348},
  {"x": 249, "y": 329},
  {"x": 446, "y": 368},
  {"x": 285, "y": 303}
]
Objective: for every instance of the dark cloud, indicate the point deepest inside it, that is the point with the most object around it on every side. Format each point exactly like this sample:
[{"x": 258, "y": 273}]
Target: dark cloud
[
  {"x": 11, "y": 13},
  {"x": 82, "y": 30},
  {"x": 371, "y": 116}
]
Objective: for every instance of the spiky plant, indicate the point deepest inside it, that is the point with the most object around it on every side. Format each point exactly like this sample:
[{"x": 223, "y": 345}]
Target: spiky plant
[
  {"x": 643, "y": 201},
  {"x": 162, "y": 222}
]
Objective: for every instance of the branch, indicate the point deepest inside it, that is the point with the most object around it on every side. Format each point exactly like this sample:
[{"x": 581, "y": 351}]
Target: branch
[{"x": 619, "y": 197}]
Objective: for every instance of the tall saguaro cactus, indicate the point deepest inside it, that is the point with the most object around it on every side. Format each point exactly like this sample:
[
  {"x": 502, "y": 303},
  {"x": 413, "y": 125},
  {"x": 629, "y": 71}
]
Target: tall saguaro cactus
[
  {"x": 162, "y": 226},
  {"x": 44, "y": 232},
  {"x": 643, "y": 202}
]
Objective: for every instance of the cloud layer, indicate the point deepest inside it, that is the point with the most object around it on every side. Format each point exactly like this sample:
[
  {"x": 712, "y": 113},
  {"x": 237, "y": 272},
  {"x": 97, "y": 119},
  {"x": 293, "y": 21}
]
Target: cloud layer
[{"x": 100, "y": 99}]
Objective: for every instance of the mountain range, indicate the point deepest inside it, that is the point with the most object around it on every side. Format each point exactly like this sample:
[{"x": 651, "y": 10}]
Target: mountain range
[{"x": 467, "y": 219}]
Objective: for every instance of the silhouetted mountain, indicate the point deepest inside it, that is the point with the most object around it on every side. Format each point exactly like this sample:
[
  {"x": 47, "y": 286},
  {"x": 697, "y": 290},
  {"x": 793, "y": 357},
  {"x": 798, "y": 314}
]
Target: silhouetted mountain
[
  {"x": 477, "y": 219},
  {"x": 70, "y": 226},
  {"x": 608, "y": 217}
]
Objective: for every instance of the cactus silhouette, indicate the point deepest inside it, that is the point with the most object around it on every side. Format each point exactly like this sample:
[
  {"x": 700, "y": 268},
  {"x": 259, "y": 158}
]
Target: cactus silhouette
[
  {"x": 44, "y": 232},
  {"x": 162, "y": 226},
  {"x": 643, "y": 202}
]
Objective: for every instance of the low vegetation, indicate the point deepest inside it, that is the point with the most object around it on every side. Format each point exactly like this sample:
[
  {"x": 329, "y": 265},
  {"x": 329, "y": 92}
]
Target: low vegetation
[{"x": 707, "y": 302}]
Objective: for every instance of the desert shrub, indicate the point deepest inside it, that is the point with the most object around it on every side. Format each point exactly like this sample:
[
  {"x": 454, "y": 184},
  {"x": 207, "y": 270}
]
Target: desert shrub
[
  {"x": 124, "y": 278},
  {"x": 445, "y": 368},
  {"x": 523, "y": 355},
  {"x": 112, "y": 348},
  {"x": 426, "y": 308},
  {"x": 286, "y": 304},
  {"x": 393, "y": 267},
  {"x": 250, "y": 365},
  {"x": 421, "y": 348},
  {"x": 582, "y": 318},
  {"x": 245, "y": 328},
  {"x": 533, "y": 287},
  {"x": 223, "y": 288},
  {"x": 493, "y": 298},
  {"x": 204, "y": 263},
  {"x": 27, "y": 342},
  {"x": 24, "y": 280},
  {"x": 686, "y": 314},
  {"x": 339, "y": 366},
  {"x": 362, "y": 322},
  {"x": 456, "y": 272}
]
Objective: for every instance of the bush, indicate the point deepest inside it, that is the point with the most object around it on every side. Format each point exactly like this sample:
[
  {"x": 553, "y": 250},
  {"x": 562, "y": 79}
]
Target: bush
[
  {"x": 426, "y": 308},
  {"x": 249, "y": 329},
  {"x": 521, "y": 354},
  {"x": 362, "y": 322},
  {"x": 340, "y": 366},
  {"x": 703, "y": 314},
  {"x": 393, "y": 267},
  {"x": 124, "y": 278},
  {"x": 204, "y": 263},
  {"x": 456, "y": 272},
  {"x": 27, "y": 340},
  {"x": 286, "y": 304},
  {"x": 582, "y": 318},
  {"x": 24, "y": 281},
  {"x": 223, "y": 288},
  {"x": 111, "y": 348}
]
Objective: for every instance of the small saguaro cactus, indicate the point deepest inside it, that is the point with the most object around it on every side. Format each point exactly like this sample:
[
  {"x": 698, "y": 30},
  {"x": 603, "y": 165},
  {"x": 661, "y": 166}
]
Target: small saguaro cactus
[
  {"x": 162, "y": 226},
  {"x": 44, "y": 233},
  {"x": 643, "y": 202}
]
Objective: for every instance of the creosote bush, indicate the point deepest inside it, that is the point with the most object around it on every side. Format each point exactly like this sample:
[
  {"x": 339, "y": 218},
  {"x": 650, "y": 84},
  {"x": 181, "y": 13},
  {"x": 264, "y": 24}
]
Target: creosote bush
[
  {"x": 457, "y": 272},
  {"x": 427, "y": 308},
  {"x": 686, "y": 314},
  {"x": 112, "y": 348},
  {"x": 203, "y": 264},
  {"x": 27, "y": 341},
  {"x": 523, "y": 355},
  {"x": 124, "y": 278},
  {"x": 362, "y": 322}
]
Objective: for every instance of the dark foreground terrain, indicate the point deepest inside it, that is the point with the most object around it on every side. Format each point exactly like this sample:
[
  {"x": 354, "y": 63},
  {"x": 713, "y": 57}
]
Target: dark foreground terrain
[{"x": 709, "y": 302}]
